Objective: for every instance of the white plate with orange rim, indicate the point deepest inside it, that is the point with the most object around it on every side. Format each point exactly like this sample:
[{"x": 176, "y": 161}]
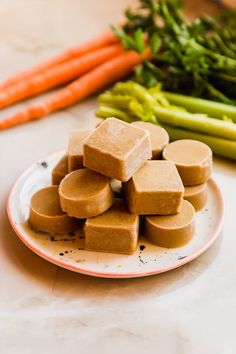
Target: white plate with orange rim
[{"x": 67, "y": 251}]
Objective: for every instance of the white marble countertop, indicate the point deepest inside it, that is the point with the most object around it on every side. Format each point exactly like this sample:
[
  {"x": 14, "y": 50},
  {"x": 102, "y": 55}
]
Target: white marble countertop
[{"x": 46, "y": 309}]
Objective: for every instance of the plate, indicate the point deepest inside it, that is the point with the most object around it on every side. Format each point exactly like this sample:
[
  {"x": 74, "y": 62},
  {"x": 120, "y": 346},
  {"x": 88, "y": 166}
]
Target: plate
[{"x": 67, "y": 250}]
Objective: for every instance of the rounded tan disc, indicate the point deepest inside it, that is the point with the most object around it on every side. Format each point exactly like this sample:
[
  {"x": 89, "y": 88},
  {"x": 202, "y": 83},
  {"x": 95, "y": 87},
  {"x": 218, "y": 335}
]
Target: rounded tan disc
[
  {"x": 85, "y": 193},
  {"x": 193, "y": 160},
  {"x": 46, "y": 214},
  {"x": 196, "y": 195},
  {"x": 158, "y": 135},
  {"x": 171, "y": 230}
]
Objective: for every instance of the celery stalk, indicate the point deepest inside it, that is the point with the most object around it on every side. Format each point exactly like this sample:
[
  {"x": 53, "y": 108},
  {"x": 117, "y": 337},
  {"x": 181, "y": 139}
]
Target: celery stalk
[
  {"x": 119, "y": 101},
  {"x": 199, "y": 105},
  {"x": 108, "y": 111},
  {"x": 171, "y": 116},
  {"x": 196, "y": 122},
  {"x": 133, "y": 89},
  {"x": 220, "y": 146}
]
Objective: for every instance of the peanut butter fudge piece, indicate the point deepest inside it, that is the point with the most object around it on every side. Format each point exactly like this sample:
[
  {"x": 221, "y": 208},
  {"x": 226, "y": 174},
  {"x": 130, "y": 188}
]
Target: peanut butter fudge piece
[
  {"x": 193, "y": 160},
  {"x": 60, "y": 170},
  {"x": 155, "y": 189},
  {"x": 158, "y": 135},
  {"x": 75, "y": 149},
  {"x": 171, "y": 230},
  {"x": 117, "y": 149},
  {"x": 114, "y": 231},
  {"x": 196, "y": 195},
  {"x": 46, "y": 214},
  {"x": 85, "y": 193}
]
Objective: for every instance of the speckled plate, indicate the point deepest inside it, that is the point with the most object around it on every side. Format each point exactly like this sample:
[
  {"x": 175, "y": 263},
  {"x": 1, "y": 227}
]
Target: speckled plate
[{"x": 67, "y": 250}]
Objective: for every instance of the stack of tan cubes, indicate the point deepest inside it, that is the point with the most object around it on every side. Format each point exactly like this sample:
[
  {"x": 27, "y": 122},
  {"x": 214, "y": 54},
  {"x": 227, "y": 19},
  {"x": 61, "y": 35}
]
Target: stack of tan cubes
[{"x": 118, "y": 159}]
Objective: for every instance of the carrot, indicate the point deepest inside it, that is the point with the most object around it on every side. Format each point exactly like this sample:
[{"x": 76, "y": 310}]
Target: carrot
[
  {"x": 101, "y": 40},
  {"x": 105, "y": 74},
  {"x": 57, "y": 75}
]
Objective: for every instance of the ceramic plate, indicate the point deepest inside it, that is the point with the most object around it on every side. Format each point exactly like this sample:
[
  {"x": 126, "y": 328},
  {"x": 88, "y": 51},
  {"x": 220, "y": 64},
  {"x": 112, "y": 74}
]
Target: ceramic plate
[{"x": 67, "y": 250}]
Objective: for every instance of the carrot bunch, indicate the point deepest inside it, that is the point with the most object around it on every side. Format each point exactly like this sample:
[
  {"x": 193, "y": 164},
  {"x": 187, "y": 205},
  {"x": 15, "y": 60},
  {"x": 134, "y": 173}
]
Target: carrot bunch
[{"x": 92, "y": 65}]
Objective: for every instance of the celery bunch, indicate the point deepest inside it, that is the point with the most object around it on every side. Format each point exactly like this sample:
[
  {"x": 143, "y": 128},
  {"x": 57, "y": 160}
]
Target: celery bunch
[{"x": 131, "y": 101}]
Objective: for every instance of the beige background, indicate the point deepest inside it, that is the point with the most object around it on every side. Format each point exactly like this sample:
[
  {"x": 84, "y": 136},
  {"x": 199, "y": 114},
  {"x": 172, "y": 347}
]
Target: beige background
[{"x": 45, "y": 309}]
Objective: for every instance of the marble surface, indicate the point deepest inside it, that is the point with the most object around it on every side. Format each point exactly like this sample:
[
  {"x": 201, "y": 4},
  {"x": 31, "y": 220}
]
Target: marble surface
[{"x": 43, "y": 308}]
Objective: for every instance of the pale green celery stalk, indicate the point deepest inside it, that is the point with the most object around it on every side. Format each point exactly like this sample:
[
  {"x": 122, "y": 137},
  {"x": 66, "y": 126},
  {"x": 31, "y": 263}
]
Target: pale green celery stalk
[
  {"x": 196, "y": 122},
  {"x": 133, "y": 89},
  {"x": 119, "y": 101},
  {"x": 222, "y": 147},
  {"x": 128, "y": 104},
  {"x": 108, "y": 111},
  {"x": 174, "y": 117},
  {"x": 219, "y": 146},
  {"x": 200, "y": 105}
]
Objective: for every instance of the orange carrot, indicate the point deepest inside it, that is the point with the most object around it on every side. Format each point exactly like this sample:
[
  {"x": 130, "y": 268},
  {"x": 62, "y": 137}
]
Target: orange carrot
[
  {"x": 105, "y": 74},
  {"x": 101, "y": 40},
  {"x": 57, "y": 75}
]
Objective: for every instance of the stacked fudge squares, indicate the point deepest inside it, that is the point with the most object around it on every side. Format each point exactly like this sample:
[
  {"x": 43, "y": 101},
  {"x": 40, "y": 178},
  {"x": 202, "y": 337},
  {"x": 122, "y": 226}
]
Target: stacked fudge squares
[{"x": 119, "y": 173}]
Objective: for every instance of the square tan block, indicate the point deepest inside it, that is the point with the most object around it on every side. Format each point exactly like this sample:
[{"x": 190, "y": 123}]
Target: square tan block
[
  {"x": 156, "y": 189},
  {"x": 115, "y": 231},
  {"x": 117, "y": 149},
  {"x": 60, "y": 170},
  {"x": 75, "y": 149}
]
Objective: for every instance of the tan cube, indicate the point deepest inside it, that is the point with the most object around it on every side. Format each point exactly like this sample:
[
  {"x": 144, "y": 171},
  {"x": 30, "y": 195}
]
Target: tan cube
[
  {"x": 115, "y": 231},
  {"x": 117, "y": 149},
  {"x": 75, "y": 149},
  {"x": 156, "y": 189},
  {"x": 60, "y": 170}
]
